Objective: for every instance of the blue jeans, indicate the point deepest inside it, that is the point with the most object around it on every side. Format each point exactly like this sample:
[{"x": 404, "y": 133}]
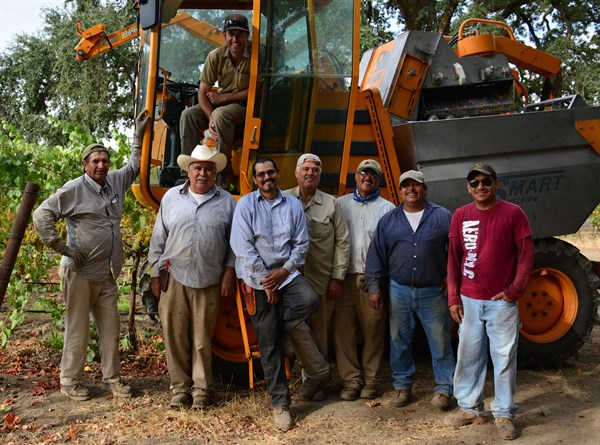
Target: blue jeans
[
  {"x": 431, "y": 307},
  {"x": 272, "y": 322},
  {"x": 498, "y": 322}
]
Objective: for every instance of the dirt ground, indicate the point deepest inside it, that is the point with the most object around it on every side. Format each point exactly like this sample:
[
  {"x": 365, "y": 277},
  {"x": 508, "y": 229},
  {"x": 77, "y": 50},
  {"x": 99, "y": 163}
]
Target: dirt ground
[{"x": 556, "y": 406}]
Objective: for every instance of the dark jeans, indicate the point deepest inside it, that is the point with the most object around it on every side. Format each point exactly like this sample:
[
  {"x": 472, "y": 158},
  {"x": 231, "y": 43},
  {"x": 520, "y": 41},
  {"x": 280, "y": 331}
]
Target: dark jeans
[{"x": 297, "y": 302}]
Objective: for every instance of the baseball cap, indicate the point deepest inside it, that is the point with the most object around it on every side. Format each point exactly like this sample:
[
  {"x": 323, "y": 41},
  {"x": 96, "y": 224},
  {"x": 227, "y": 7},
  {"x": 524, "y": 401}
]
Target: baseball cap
[
  {"x": 93, "y": 148},
  {"x": 370, "y": 164},
  {"x": 236, "y": 21},
  {"x": 486, "y": 169},
  {"x": 412, "y": 174},
  {"x": 308, "y": 157}
]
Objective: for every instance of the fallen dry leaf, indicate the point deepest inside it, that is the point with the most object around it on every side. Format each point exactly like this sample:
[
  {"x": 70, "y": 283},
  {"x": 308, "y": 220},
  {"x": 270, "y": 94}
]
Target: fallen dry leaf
[
  {"x": 373, "y": 404},
  {"x": 71, "y": 433}
]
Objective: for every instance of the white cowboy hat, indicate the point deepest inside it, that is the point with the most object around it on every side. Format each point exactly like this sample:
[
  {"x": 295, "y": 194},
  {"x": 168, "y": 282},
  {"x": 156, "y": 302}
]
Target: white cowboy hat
[{"x": 203, "y": 153}]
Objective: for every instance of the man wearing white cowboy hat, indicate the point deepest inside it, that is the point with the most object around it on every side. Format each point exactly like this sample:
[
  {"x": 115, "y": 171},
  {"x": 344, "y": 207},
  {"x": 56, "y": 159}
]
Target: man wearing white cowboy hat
[{"x": 192, "y": 267}]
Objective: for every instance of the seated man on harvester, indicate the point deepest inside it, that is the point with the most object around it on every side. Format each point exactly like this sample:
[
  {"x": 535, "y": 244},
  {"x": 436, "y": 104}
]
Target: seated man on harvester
[{"x": 223, "y": 110}]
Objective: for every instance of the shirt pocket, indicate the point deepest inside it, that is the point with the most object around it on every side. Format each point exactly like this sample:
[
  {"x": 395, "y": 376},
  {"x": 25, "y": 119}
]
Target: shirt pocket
[{"x": 319, "y": 228}]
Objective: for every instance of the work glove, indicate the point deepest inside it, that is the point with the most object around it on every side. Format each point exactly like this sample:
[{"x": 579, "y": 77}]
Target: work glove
[
  {"x": 141, "y": 121},
  {"x": 74, "y": 254}
]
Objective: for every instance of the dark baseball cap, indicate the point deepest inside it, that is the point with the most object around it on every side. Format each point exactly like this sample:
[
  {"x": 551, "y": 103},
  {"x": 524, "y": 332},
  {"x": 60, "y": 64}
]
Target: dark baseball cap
[
  {"x": 236, "y": 21},
  {"x": 486, "y": 169}
]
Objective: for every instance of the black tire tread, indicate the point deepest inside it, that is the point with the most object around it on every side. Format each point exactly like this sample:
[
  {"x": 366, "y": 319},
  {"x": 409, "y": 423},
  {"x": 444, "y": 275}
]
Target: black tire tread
[{"x": 530, "y": 353}]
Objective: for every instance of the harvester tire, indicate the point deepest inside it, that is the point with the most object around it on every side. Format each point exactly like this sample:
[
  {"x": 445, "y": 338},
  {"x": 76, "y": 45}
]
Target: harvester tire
[{"x": 562, "y": 266}]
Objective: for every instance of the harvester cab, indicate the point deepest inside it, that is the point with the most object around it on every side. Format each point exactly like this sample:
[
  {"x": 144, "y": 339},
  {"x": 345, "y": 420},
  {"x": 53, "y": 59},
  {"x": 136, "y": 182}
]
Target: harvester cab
[{"x": 303, "y": 57}]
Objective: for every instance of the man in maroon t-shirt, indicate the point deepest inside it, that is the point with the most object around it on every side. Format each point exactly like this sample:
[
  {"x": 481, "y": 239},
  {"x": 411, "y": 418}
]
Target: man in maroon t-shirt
[{"x": 490, "y": 257}]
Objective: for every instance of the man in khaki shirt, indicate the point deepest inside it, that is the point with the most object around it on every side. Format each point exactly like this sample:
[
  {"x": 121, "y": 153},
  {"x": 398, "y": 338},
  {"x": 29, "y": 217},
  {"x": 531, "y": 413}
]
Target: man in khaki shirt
[
  {"x": 329, "y": 244},
  {"x": 223, "y": 110}
]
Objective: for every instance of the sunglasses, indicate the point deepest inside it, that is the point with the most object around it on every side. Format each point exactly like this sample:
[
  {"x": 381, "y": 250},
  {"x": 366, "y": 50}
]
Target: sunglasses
[
  {"x": 487, "y": 182},
  {"x": 370, "y": 173},
  {"x": 269, "y": 172}
]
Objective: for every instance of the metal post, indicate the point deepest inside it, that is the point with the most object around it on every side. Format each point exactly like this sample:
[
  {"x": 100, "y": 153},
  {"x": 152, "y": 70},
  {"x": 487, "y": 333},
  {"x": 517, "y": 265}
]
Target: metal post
[{"x": 16, "y": 236}]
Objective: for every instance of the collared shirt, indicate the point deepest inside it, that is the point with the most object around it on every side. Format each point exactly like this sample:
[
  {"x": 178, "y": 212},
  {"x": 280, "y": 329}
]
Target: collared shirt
[
  {"x": 93, "y": 215},
  {"x": 218, "y": 67},
  {"x": 329, "y": 240},
  {"x": 192, "y": 237},
  {"x": 409, "y": 256},
  {"x": 362, "y": 218},
  {"x": 268, "y": 235}
]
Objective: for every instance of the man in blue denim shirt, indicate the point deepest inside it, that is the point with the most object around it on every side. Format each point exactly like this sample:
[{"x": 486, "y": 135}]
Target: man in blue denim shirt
[
  {"x": 270, "y": 242},
  {"x": 409, "y": 251}
]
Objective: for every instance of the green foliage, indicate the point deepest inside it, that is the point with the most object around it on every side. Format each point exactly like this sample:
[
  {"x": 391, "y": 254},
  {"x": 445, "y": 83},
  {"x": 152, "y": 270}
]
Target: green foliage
[
  {"x": 40, "y": 77},
  {"x": 51, "y": 166},
  {"x": 595, "y": 218},
  {"x": 54, "y": 340},
  {"x": 16, "y": 311},
  {"x": 56, "y": 309}
]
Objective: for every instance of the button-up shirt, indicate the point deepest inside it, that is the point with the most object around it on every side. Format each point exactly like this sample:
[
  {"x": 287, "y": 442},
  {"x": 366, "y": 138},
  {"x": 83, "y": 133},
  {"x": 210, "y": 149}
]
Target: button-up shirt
[
  {"x": 92, "y": 213},
  {"x": 192, "y": 237},
  {"x": 408, "y": 256},
  {"x": 362, "y": 218},
  {"x": 218, "y": 67},
  {"x": 266, "y": 236},
  {"x": 329, "y": 241}
]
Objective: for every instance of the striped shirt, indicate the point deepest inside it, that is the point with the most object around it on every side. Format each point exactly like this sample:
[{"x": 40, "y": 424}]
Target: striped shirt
[{"x": 93, "y": 216}]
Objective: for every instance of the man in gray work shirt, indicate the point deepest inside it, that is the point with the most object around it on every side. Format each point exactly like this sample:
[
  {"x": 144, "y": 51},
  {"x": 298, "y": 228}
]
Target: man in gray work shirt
[
  {"x": 190, "y": 241},
  {"x": 92, "y": 206}
]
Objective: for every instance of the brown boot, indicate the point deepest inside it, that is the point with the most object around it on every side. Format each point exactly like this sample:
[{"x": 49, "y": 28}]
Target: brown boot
[
  {"x": 350, "y": 391},
  {"x": 403, "y": 397},
  {"x": 310, "y": 388},
  {"x": 441, "y": 401},
  {"x": 75, "y": 392},
  {"x": 506, "y": 428},
  {"x": 462, "y": 418},
  {"x": 118, "y": 389}
]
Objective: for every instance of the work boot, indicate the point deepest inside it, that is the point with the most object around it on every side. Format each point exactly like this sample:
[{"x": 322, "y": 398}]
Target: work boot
[
  {"x": 462, "y": 418},
  {"x": 180, "y": 400},
  {"x": 118, "y": 389},
  {"x": 369, "y": 391},
  {"x": 403, "y": 397},
  {"x": 200, "y": 401},
  {"x": 441, "y": 401},
  {"x": 350, "y": 391},
  {"x": 506, "y": 428},
  {"x": 282, "y": 417},
  {"x": 75, "y": 392},
  {"x": 310, "y": 388}
]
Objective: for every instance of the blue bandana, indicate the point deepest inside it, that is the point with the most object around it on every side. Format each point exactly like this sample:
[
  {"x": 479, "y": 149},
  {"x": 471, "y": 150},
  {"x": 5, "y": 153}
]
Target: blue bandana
[{"x": 371, "y": 197}]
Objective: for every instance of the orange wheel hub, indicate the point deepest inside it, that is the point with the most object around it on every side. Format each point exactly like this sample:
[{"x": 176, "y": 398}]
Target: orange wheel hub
[{"x": 548, "y": 307}]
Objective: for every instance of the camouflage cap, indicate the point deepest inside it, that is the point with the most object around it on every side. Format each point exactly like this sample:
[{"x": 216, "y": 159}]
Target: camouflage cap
[{"x": 93, "y": 148}]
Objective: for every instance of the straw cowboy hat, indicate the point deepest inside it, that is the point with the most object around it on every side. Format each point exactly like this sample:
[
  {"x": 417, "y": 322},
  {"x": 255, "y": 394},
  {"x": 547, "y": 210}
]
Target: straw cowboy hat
[{"x": 203, "y": 153}]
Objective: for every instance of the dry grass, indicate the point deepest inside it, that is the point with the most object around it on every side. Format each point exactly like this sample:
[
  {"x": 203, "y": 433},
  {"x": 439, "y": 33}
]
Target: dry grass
[{"x": 587, "y": 240}]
